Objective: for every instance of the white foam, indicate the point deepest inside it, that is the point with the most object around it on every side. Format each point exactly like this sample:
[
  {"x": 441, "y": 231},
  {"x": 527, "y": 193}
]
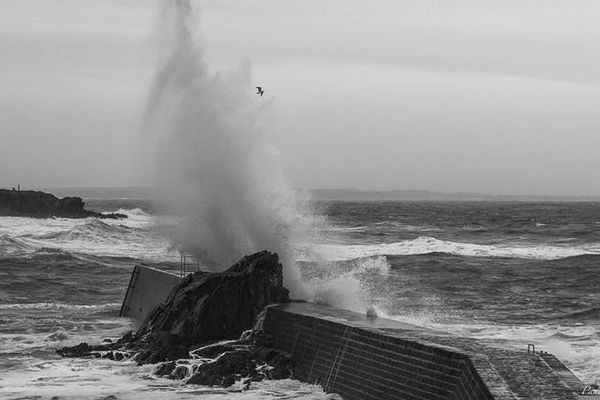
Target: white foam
[
  {"x": 347, "y": 286},
  {"x": 99, "y": 378},
  {"x": 134, "y": 237},
  {"x": 425, "y": 245},
  {"x": 577, "y": 345},
  {"x": 56, "y": 306}
]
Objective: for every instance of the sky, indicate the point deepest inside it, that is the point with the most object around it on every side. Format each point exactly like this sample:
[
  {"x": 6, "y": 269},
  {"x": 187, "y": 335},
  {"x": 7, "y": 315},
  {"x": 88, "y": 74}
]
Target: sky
[{"x": 495, "y": 97}]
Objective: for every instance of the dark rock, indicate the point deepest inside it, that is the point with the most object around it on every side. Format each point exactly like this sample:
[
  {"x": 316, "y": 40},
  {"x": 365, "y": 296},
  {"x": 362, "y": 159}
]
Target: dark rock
[
  {"x": 29, "y": 203},
  {"x": 214, "y": 350},
  {"x": 213, "y": 373},
  {"x": 161, "y": 353},
  {"x": 165, "y": 368},
  {"x": 282, "y": 367},
  {"x": 206, "y": 307},
  {"x": 128, "y": 337},
  {"x": 82, "y": 350},
  {"x": 180, "y": 372},
  {"x": 228, "y": 380}
]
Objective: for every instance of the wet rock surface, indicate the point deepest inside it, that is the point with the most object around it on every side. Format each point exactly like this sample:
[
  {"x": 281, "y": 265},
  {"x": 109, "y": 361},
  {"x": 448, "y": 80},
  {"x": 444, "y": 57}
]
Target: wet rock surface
[{"x": 208, "y": 331}]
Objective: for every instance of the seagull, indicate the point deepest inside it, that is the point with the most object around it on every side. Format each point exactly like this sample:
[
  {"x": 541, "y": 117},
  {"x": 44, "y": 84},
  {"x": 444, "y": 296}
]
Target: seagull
[{"x": 259, "y": 91}]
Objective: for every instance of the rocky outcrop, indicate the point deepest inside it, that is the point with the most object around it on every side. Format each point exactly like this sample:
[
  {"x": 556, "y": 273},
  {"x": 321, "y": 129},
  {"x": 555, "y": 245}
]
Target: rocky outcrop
[
  {"x": 29, "y": 203},
  {"x": 252, "y": 358},
  {"x": 206, "y": 306},
  {"x": 198, "y": 317}
]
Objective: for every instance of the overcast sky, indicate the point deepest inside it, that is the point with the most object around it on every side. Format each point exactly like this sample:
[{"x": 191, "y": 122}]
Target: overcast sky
[{"x": 464, "y": 95}]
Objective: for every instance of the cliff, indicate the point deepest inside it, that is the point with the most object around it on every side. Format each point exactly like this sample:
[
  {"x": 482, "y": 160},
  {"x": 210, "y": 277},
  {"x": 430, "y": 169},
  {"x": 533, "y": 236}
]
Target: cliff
[{"x": 29, "y": 203}]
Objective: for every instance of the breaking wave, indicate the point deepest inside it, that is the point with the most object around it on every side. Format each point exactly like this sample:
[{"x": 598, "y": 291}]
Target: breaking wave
[
  {"x": 135, "y": 236},
  {"x": 427, "y": 245}
]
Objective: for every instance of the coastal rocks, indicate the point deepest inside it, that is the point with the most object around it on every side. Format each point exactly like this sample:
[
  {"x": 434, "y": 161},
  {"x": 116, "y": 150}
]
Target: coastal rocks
[
  {"x": 29, "y": 203},
  {"x": 248, "y": 359},
  {"x": 207, "y": 307},
  {"x": 191, "y": 332},
  {"x": 84, "y": 350}
]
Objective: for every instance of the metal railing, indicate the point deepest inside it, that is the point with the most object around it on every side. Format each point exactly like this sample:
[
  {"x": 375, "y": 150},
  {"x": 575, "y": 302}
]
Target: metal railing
[{"x": 188, "y": 262}]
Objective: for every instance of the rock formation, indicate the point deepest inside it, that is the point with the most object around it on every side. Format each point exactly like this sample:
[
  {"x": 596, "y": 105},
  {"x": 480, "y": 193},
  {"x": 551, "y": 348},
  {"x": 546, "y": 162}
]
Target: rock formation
[
  {"x": 29, "y": 203},
  {"x": 196, "y": 321}
]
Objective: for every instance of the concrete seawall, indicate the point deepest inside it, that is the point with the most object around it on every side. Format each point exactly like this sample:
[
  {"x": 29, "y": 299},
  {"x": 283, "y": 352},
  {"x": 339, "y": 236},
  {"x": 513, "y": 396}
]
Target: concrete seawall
[
  {"x": 148, "y": 287},
  {"x": 365, "y": 358},
  {"x": 362, "y": 358}
]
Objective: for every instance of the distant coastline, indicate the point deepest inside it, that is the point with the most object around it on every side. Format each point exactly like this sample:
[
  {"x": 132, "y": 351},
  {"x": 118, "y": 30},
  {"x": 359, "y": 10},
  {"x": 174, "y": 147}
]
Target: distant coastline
[
  {"x": 145, "y": 192},
  {"x": 424, "y": 195}
]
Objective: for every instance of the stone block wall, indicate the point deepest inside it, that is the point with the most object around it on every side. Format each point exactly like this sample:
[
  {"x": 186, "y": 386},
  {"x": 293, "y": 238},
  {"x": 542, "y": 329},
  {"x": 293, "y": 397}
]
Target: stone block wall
[{"x": 359, "y": 363}]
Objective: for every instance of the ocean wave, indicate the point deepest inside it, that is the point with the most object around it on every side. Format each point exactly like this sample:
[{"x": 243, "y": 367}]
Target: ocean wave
[
  {"x": 427, "y": 245},
  {"x": 10, "y": 246},
  {"x": 133, "y": 212},
  {"x": 591, "y": 313},
  {"x": 135, "y": 237},
  {"x": 92, "y": 228},
  {"x": 57, "y": 306}
]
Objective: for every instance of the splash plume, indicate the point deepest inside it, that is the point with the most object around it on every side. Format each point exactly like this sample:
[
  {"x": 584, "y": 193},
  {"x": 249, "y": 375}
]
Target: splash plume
[{"x": 221, "y": 178}]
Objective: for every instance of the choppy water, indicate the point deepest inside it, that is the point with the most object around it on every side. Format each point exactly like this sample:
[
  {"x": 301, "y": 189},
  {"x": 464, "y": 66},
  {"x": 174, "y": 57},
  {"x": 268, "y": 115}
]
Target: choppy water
[{"x": 523, "y": 272}]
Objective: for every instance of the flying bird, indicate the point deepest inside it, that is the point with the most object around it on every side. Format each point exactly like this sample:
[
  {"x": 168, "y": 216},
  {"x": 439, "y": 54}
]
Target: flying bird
[{"x": 259, "y": 90}]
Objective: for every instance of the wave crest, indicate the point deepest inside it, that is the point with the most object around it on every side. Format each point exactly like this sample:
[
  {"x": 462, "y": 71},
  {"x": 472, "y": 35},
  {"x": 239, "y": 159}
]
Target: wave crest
[{"x": 427, "y": 245}]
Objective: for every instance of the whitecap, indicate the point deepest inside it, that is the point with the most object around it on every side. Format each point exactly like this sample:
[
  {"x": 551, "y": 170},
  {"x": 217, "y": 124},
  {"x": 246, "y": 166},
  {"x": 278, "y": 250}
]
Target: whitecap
[{"x": 426, "y": 245}]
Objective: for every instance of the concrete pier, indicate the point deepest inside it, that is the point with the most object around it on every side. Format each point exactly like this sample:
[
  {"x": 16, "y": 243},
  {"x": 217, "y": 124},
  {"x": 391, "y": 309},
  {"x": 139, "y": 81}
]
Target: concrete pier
[
  {"x": 361, "y": 358},
  {"x": 365, "y": 358}
]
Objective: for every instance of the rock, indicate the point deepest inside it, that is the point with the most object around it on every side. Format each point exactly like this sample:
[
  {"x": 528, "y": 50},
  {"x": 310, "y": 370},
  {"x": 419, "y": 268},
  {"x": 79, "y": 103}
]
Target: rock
[
  {"x": 82, "y": 350},
  {"x": 29, "y": 203},
  {"x": 165, "y": 368},
  {"x": 214, "y": 350},
  {"x": 214, "y": 373},
  {"x": 282, "y": 367},
  {"x": 206, "y": 307}
]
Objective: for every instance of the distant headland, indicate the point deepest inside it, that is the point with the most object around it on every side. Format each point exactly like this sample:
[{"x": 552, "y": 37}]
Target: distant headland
[{"x": 34, "y": 204}]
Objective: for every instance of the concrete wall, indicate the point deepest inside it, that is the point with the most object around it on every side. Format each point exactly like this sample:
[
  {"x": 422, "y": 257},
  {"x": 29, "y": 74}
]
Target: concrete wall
[
  {"x": 361, "y": 364},
  {"x": 147, "y": 288},
  {"x": 365, "y": 358},
  {"x": 361, "y": 358}
]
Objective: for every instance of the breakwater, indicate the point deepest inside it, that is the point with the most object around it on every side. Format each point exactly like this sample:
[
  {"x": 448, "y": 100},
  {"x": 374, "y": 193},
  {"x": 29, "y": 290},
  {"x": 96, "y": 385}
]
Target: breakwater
[
  {"x": 148, "y": 287},
  {"x": 362, "y": 357}
]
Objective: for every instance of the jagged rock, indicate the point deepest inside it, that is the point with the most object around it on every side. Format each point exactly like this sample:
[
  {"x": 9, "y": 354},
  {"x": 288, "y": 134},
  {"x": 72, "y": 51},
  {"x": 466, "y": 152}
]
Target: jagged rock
[
  {"x": 204, "y": 308},
  {"x": 253, "y": 361},
  {"x": 227, "y": 364},
  {"x": 82, "y": 350},
  {"x": 214, "y": 350},
  {"x": 180, "y": 372},
  {"x": 35, "y": 204},
  {"x": 165, "y": 368}
]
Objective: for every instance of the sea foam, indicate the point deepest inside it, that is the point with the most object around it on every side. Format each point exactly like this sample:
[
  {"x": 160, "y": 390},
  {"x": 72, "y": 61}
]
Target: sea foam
[{"x": 426, "y": 245}]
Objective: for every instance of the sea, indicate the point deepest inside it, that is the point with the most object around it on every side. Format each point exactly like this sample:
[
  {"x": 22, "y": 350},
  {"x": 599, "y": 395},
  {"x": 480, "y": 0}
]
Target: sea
[{"x": 515, "y": 272}]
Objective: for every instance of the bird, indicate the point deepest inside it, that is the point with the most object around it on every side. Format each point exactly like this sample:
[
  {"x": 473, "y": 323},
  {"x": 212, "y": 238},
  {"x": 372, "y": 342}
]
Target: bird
[{"x": 259, "y": 90}]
